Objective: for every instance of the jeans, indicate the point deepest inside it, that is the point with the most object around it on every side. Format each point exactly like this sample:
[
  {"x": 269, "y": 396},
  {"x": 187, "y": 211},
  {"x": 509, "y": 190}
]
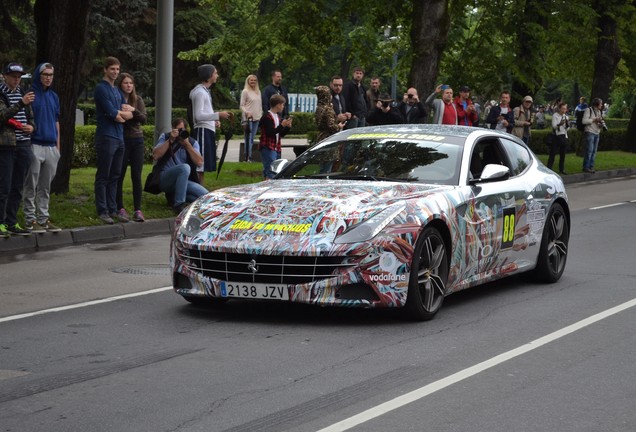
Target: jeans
[
  {"x": 134, "y": 150},
  {"x": 37, "y": 187},
  {"x": 590, "y": 150},
  {"x": 251, "y": 127},
  {"x": 175, "y": 180},
  {"x": 110, "y": 153},
  {"x": 267, "y": 157},
  {"x": 14, "y": 166}
]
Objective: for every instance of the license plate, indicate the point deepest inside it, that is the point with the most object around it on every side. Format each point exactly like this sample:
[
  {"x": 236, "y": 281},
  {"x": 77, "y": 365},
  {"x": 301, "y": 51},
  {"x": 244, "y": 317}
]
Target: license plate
[{"x": 254, "y": 291}]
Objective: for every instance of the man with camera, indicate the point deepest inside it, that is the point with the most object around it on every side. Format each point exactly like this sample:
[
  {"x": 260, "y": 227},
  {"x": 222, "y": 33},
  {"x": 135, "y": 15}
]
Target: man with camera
[
  {"x": 179, "y": 156},
  {"x": 593, "y": 121},
  {"x": 384, "y": 112},
  {"x": 411, "y": 108}
]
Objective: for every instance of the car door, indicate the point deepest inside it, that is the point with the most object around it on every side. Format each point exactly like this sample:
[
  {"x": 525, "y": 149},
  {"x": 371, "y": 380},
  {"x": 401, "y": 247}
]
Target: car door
[{"x": 493, "y": 215}]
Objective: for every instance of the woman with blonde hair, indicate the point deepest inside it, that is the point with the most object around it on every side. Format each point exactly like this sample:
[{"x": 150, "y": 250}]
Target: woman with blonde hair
[
  {"x": 252, "y": 112},
  {"x": 134, "y": 148}
]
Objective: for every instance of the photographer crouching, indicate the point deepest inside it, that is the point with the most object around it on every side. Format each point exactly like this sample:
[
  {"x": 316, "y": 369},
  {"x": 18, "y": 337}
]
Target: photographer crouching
[{"x": 178, "y": 156}]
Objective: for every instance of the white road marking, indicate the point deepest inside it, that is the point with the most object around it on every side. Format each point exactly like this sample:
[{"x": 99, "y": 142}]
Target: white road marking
[
  {"x": 607, "y": 206},
  {"x": 422, "y": 392},
  {"x": 84, "y": 304}
]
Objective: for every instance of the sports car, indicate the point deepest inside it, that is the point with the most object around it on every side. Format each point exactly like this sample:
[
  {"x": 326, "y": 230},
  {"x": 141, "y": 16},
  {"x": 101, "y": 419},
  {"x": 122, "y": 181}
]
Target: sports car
[{"x": 378, "y": 217}]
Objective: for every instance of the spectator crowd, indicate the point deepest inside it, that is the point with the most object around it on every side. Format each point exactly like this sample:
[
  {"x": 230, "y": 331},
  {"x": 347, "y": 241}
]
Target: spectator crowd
[{"x": 30, "y": 134}]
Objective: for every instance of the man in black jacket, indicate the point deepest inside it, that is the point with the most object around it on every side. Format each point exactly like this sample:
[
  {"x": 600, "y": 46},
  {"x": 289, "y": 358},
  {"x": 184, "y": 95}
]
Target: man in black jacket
[
  {"x": 411, "y": 108},
  {"x": 356, "y": 99}
]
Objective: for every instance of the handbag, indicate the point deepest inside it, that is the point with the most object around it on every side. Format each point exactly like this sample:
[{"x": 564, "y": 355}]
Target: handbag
[{"x": 152, "y": 180}]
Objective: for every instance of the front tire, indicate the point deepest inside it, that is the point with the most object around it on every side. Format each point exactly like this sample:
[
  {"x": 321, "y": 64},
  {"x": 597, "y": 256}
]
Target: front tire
[
  {"x": 554, "y": 246},
  {"x": 429, "y": 274}
]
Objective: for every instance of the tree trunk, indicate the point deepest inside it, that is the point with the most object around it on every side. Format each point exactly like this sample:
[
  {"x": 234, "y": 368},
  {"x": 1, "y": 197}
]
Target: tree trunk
[
  {"x": 61, "y": 33},
  {"x": 531, "y": 53},
  {"x": 607, "y": 52},
  {"x": 429, "y": 35}
]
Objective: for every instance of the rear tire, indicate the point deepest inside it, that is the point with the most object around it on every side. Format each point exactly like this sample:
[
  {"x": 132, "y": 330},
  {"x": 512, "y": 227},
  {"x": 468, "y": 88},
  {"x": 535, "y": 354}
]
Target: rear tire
[
  {"x": 429, "y": 274},
  {"x": 554, "y": 246}
]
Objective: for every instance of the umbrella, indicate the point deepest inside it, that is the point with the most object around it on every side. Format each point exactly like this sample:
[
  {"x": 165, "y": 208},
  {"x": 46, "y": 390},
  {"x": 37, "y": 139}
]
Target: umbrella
[{"x": 228, "y": 136}]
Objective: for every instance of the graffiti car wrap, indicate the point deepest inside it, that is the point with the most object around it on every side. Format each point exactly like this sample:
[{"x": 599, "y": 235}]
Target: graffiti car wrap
[{"x": 399, "y": 216}]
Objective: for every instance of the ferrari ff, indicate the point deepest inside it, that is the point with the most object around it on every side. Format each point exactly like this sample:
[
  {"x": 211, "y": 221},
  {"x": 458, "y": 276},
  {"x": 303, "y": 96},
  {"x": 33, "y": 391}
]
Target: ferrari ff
[{"x": 378, "y": 217}]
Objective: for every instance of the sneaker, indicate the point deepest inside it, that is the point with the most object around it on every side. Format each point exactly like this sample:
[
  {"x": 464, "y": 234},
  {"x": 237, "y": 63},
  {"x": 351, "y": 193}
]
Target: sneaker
[
  {"x": 106, "y": 219},
  {"x": 179, "y": 208},
  {"x": 34, "y": 227},
  {"x": 4, "y": 232},
  {"x": 17, "y": 230},
  {"x": 123, "y": 215},
  {"x": 48, "y": 226},
  {"x": 138, "y": 216}
]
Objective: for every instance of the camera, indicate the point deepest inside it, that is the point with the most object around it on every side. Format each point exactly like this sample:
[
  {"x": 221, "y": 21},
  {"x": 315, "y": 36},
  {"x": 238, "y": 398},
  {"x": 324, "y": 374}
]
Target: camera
[
  {"x": 184, "y": 134},
  {"x": 410, "y": 96},
  {"x": 603, "y": 125},
  {"x": 385, "y": 104}
]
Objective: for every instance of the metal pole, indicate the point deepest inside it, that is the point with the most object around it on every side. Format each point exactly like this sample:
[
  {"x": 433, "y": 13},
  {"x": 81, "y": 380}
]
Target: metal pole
[
  {"x": 394, "y": 78},
  {"x": 163, "y": 75}
]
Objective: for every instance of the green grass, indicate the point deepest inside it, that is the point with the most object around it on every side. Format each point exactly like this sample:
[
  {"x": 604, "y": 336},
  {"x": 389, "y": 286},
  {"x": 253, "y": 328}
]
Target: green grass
[
  {"x": 605, "y": 160},
  {"x": 77, "y": 207}
]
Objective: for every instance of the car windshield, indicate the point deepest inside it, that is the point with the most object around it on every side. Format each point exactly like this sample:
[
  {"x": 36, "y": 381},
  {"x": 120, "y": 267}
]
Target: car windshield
[{"x": 380, "y": 159}]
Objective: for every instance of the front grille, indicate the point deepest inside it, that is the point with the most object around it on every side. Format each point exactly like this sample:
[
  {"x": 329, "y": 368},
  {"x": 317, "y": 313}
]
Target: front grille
[{"x": 290, "y": 270}]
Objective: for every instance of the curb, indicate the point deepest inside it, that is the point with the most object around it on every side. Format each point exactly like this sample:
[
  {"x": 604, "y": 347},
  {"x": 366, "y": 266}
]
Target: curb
[
  {"x": 101, "y": 233},
  {"x": 92, "y": 234}
]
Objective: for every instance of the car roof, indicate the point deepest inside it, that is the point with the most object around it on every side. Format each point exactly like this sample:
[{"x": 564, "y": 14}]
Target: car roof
[{"x": 419, "y": 129}]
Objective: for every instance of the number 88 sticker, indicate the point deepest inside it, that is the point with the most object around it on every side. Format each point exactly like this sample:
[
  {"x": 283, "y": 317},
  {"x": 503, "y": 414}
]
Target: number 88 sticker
[{"x": 508, "y": 235}]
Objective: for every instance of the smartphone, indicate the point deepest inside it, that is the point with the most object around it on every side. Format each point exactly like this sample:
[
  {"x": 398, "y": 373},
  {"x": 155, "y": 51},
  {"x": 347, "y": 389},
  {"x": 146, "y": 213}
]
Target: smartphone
[{"x": 445, "y": 86}]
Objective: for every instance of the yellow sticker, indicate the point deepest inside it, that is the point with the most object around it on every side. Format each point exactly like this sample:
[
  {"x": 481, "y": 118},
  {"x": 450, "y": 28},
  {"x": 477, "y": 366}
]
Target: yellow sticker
[{"x": 243, "y": 225}]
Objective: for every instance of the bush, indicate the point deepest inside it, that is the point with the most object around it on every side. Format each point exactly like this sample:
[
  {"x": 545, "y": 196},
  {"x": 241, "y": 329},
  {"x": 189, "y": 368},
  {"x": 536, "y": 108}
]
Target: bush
[
  {"x": 84, "y": 152},
  {"x": 611, "y": 139}
]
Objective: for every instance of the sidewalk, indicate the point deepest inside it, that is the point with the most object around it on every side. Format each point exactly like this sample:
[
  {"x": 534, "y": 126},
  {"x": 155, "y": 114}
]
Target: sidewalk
[{"x": 102, "y": 233}]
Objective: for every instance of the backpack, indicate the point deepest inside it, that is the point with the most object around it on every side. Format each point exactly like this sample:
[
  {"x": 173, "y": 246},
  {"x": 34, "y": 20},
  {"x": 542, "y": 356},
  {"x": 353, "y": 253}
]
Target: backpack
[{"x": 579, "y": 120}]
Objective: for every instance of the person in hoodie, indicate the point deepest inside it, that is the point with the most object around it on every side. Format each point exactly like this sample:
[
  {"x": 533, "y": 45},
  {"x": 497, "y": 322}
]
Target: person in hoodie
[
  {"x": 46, "y": 152},
  {"x": 204, "y": 118}
]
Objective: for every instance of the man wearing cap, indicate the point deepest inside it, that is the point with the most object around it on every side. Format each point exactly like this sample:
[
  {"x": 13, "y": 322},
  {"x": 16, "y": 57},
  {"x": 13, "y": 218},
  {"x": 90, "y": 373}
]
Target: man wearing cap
[
  {"x": 111, "y": 111},
  {"x": 15, "y": 153},
  {"x": 466, "y": 111},
  {"x": 46, "y": 152},
  {"x": 523, "y": 119},
  {"x": 204, "y": 118},
  {"x": 384, "y": 112}
]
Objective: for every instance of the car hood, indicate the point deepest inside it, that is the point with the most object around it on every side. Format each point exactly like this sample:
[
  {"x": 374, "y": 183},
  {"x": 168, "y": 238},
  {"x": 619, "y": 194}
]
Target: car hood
[{"x": 287, "y": 213}]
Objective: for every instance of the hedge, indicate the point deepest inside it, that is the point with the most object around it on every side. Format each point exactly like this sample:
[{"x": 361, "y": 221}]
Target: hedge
[{"x": 84, "y": 154}]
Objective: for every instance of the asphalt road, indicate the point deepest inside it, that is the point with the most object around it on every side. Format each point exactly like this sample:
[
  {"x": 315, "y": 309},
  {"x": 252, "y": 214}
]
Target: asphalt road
[{"x": 92, "y": 340}]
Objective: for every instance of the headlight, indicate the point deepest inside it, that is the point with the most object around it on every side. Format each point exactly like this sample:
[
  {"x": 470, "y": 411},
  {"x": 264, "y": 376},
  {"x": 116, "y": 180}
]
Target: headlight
[
  {"x": 191, "y": 223},
  {"x": 370, "y": 227}
]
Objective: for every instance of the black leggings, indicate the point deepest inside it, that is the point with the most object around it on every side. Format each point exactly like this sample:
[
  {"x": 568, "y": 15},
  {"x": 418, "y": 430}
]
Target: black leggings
[
  {"x": 134, "y": 156},
  {"x": 560, "y": 144}
]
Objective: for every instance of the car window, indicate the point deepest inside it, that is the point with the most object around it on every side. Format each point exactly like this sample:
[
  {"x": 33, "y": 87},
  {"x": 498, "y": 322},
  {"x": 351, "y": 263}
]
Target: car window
[
  {"x": 519, "y": 156},
  {"x": 380, "y": 159},
  {"x": 486, "y": 151}
]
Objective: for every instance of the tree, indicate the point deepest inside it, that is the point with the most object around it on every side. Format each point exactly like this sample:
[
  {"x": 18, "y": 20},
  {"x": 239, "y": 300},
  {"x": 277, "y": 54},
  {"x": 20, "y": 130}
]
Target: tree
[
  {"x": 429, "y": 35},
  {"x": 62, "y": 29},
  {"x": 608, "y": 54}
]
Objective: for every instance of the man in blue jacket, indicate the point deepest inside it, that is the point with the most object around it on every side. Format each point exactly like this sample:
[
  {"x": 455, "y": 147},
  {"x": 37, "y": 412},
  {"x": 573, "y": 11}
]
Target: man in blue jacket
[
  {"x": 46, "y": 152},
  {"x": 112, "y": 112}
]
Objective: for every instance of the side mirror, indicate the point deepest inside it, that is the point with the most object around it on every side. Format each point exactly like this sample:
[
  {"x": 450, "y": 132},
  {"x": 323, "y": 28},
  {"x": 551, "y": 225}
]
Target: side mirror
[
  {"x": 279, "y": 165},
  {"x": 493, "y": 172}
]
